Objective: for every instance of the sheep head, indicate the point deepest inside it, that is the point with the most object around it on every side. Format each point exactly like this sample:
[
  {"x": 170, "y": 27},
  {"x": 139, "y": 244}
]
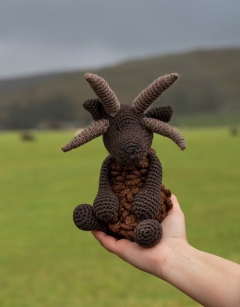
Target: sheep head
[{"x": 127, "y": 130}]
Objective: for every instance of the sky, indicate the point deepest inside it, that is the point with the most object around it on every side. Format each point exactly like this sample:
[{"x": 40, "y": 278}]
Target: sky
[{"x": 41, "y": 36}]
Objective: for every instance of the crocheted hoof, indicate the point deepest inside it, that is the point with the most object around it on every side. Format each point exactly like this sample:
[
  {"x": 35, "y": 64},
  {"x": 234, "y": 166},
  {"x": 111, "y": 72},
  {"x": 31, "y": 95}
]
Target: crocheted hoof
[
  {"x": 148, "y": 233},
  {"x": 85, "y": 219},
  {"x": 106, "y": 206}
]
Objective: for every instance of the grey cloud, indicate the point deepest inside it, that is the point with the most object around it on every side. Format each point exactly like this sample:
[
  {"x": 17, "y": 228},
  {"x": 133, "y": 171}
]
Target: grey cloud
[{"x": 47, "y": 35}]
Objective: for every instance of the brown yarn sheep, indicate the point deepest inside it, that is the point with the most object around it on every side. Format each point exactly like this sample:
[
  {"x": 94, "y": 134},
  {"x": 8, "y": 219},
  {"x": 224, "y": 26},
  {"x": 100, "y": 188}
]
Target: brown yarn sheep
[{"x": 131, "y": 200}]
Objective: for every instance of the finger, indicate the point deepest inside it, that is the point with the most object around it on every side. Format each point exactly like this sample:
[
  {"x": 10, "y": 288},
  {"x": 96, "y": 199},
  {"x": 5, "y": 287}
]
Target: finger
[
  {"x": 123, "y": 248},
  {"x": 176, "y": 207},
  {"x": 106, "y": 241}
]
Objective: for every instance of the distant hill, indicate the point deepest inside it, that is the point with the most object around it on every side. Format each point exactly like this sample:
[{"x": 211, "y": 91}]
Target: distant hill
[{"x": 209, "y": 84}]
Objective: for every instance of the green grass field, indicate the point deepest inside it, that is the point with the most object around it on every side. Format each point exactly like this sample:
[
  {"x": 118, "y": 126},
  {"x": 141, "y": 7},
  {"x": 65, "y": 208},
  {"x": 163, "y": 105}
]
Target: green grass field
[{"x": 46, "y": 261}]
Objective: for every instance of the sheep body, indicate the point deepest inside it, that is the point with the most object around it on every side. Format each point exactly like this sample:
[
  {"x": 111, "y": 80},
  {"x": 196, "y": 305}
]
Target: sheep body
[{"x": 126, "y": 182}]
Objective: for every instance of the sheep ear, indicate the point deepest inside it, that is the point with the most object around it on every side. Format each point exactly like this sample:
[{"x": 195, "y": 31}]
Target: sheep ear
[
  {"x": 95, "y": 108},
  {"x": 162, "y": 113}
]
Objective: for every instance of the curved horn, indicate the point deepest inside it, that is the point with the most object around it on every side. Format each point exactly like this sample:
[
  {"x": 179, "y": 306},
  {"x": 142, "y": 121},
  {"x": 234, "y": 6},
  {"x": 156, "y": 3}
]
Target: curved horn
[
  {"x": 153, "y": 91},
  {"x": 91, "y": 132},
  {"x": 164, "y": 129},
  {"x": 104, "y": 93}
]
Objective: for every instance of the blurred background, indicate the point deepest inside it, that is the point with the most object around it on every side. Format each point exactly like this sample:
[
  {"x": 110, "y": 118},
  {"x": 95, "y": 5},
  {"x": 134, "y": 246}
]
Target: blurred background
[{"x": 45, "y": 49}]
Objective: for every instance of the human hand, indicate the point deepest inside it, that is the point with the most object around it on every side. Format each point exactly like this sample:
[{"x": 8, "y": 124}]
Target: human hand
[
  {"x": 152, "y": 260},
  {"x": 210, "y": 280}
]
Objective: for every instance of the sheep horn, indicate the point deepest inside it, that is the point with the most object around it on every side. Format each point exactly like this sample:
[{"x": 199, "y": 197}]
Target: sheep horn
[
  {"x": 164, "y": 129},
  {"x": 91, "y": 132},
  {"x": 104, "y": 93},
  {"x": 153, "y": 91}
]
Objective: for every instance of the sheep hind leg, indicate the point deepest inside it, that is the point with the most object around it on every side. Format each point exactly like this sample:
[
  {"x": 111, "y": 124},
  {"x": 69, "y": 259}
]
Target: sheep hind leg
[
  {"x": 85, "y": 219},
  {"x": 148, "y": 233}
]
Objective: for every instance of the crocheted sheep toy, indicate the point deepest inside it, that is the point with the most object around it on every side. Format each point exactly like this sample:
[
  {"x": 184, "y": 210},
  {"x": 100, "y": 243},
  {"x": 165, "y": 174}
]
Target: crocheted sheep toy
[{"x": 131, "y": 201}]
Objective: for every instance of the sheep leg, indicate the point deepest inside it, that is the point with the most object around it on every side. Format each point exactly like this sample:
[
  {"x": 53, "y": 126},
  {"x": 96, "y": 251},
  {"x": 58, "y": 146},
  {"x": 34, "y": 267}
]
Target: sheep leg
[
  {"x": 148, "y": 233},
  {"x": 106, "y": 204},
  {"x": 85, "y": 219},
  {"x": 147, "y": 202}
]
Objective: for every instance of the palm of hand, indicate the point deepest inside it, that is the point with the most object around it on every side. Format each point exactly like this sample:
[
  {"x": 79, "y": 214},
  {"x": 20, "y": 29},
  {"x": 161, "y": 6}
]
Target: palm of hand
[{"x": 152, "y": 259}]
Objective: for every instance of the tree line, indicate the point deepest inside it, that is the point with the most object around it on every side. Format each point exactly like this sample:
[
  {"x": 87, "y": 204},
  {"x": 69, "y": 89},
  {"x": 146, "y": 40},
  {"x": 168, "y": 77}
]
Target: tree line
[{"x": 61, "y": 111}]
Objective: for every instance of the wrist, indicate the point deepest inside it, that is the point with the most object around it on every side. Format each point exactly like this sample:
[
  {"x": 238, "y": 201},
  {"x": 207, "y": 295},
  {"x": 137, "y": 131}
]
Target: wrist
[{"x": 177, "y": 252}]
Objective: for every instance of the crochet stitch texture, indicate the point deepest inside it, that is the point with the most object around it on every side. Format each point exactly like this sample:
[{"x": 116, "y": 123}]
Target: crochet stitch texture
[{"x": 131, "y": 201}]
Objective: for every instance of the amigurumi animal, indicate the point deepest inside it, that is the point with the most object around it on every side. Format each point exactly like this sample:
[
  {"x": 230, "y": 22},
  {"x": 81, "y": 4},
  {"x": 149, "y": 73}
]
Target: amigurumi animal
[{"x": 131, "y": 201}]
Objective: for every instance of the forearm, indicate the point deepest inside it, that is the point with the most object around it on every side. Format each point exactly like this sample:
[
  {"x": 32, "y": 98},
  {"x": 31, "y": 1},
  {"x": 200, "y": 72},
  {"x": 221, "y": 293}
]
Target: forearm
[{"x": 208, "y": 279}]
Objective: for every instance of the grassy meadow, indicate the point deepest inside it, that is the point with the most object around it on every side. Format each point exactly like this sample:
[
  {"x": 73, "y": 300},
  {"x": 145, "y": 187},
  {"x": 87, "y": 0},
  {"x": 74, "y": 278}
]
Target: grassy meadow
[{"x": 46, "y": 261}]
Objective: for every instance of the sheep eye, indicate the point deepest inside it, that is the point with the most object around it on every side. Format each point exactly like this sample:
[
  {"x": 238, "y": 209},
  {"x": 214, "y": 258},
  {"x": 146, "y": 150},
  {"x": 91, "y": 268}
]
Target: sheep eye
[
  {"x": 142, "y": 125},
  {"x": 118, "y": 126}
]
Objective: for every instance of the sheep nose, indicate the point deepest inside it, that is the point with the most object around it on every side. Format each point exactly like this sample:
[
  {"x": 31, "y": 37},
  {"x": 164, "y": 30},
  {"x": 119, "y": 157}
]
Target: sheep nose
[{"x": 131, "y": 151}]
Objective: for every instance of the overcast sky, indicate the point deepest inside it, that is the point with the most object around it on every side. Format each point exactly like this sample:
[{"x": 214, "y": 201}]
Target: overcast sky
[{"x": 39, "y": 36}]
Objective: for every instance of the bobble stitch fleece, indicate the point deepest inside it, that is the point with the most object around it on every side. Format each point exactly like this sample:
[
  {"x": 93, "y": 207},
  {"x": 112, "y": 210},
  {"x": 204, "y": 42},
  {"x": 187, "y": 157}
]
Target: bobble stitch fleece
[{"x": 127, "y": 182}]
